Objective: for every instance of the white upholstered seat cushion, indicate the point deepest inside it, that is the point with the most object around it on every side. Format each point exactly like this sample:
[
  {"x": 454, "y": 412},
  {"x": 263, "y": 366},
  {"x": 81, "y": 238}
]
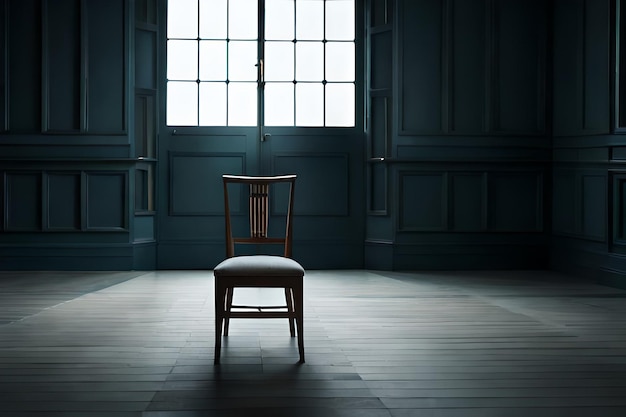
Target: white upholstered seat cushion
[{"x": 259, "y": 266}]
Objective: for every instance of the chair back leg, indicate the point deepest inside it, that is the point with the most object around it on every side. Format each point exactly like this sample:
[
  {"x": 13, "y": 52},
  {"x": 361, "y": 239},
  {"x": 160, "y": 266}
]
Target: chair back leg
[{"x": 289, "y": 299}]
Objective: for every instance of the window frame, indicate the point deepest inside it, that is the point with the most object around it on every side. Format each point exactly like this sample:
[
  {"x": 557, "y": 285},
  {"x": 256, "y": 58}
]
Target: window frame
[{"x": 359, "y": 79}]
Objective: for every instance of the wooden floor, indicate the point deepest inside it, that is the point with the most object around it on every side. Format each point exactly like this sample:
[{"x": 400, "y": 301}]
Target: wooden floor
[{"x": 433, "y": 344}]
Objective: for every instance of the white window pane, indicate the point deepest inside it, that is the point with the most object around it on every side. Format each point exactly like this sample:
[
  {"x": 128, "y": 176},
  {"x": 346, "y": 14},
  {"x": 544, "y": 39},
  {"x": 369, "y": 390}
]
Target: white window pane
[
  {"x": 309, "y": 61},
  {"x": 340, "y": 61},
  {"x": 340, "y": 20},
  {"x": 182, "y": 103},
  {"x": 309, "y": 19},
  {"x": 212, "y": 104},
  {"x": 242, "y": 59},
  {"x": 182, "y": 19},
  {"x": 182, "y": 60},
  {"x": 242, "y": 104},
  {"x": 340, "y": 105},
  {"x": 213, "y": 60},
  {"x": 309, "y": 104},
  {"x": 242, "y": 19},
  {"x": 279, "y": 104},
  {"x": 213, "y": 18},
  {"x": 279, "y": 20},
  {"x": 278, "y": 61}
]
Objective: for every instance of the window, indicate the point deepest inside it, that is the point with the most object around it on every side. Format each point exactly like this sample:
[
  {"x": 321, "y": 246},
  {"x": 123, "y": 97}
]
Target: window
[{"x": 281, "y": 62}]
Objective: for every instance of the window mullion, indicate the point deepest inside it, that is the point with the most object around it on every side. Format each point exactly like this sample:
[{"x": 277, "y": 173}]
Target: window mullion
[
  {"x": 324, "y": 83},
  {"x": 198, "y": 65},
  {"x": 260, "y": 63}
]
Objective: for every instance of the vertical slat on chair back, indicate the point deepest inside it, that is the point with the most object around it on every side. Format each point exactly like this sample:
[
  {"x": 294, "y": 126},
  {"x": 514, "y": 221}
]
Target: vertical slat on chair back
[{"x": 259, "y": 210}]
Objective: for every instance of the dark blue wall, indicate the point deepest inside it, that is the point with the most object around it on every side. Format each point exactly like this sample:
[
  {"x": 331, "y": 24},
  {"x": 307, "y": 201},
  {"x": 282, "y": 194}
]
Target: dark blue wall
[
  {"x": 489, "y": 139},
  {"x": 70, "y": 138},
  {"x": 589, "y": 158},
  {"x": 459, "y": 146}
]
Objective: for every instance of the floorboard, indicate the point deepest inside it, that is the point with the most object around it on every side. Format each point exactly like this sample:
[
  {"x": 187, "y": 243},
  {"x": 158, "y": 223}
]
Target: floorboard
[{"x": 378, "y": 344}]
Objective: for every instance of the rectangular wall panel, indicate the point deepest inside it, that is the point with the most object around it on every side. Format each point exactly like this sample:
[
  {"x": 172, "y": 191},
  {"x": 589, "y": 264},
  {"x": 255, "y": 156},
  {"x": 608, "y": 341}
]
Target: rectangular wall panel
[
  {"x": 145, "y": 59},
  {"x": 519, "y": 66},
  {"x": 3, "y": 64},
  {"x": 145, "y": 126},
  {"x": 380, "y": 132},
  {"x": 619, "y": 212},
  {"x": 23, "y": 201},
  {"x": 64, "y": 201},
  {"x": 567, "y": 62},
  {"x": 322, "y": 187},
  {"x": 3, "y": 206},
  {"x": 423, "y": 202},
  {"x": 596, "y": 66},
  {"x": 146, "y": 11},
  {"x": 515, "y": 203},
  {"x": 62, "y": 77},
  {"x": 381, "y": 13},
  {"x": 196, "y": 183},
  {"x": 378, "y": 188},
  {"x": 421, "y": 66},
  {"x": 24, "y": 65},
  {"x": 381, "y": 60},
  {"x": 564, "y": 203},
  {"x": 107, "y": 200},
  {"x": 594, "y": 207},
  {"x": 467, "y": 87},
  {"x": 107, "y": 64},
  {"x": 467, "y": 202}
]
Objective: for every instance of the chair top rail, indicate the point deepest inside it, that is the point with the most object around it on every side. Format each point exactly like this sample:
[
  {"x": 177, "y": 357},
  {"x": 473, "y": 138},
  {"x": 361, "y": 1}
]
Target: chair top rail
[{"x": 258, "y": 180}]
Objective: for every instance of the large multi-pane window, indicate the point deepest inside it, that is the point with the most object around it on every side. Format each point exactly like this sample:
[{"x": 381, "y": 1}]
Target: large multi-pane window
[{"x": 268, "y": 62}]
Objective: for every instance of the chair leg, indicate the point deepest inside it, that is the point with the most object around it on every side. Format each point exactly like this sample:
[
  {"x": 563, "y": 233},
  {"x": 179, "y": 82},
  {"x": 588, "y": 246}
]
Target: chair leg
[
  {"x": 298, "y": 295},
  {"x": 220, "y": 297},
  {"x": 229, "y": 305},
  {"x": 289, "y": 299}
]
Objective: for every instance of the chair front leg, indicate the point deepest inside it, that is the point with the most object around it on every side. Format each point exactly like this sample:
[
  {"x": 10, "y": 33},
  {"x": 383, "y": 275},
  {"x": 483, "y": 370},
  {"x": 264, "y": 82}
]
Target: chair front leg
[
  {"x": 229, "y": 306},
  {"x": 220, "y": 299},
  {"x": 298, "y": 295}
]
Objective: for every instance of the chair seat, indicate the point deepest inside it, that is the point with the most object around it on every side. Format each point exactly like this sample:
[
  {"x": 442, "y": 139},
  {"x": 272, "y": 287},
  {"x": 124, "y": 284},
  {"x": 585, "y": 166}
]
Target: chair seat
[{"x": 259, "y": 266}]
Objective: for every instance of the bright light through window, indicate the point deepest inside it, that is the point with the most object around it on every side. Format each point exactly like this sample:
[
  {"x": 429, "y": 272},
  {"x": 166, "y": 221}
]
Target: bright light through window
[{"x": 302, "y": 75}]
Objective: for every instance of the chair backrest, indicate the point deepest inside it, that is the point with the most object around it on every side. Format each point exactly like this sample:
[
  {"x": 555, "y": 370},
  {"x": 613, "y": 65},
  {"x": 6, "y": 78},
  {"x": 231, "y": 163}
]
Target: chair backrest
[{"x": 259, "y": 212}]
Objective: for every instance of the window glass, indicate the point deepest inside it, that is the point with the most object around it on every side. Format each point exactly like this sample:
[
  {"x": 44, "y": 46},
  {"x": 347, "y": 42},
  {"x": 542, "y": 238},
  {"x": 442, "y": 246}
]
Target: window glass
[
  {"x": 242, "y": 19},
  {"x": 182, "y": 19},
  {"x": 182, "y": 60},
  {"x": 212, "y": 108},
  {"x": 213, "y": 19},
  {"x": 182, "y": 103},
  {"x": 340, "y": 104},
  {"x": 278, "y": 61},
  {"x": 310, "y": 61},
  {"x": 339, "y": 20},
  {"x": 310, "y": 20},
  {"x": 279, "y": 104},
  {"x": 242, "y": 104},
  {"x": 340, "y": 61},
  {"x": 213, "y": 60},
  {"x": 309, "y": 104},
  {"x": 242, "y": 59},
  {"x": 279, "y": 20}
]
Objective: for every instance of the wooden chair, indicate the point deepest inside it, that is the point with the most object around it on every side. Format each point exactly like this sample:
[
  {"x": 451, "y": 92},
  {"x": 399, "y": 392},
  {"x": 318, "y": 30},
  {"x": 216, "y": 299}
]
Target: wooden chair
[{"x": 269, "y": 271}]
